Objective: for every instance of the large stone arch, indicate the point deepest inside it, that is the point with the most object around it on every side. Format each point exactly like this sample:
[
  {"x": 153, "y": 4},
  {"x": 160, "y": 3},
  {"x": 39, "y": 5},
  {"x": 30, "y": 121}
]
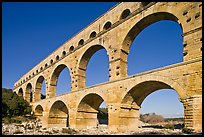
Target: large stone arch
[
  {"x": 145, "y": 22},
  {"x": 83, "y": 61},
  {"x": 29, "y": 93},
  {"x": 38, "y": 87},
  {"x": 87, "y": 110},
  {"x": 53, "y": 79},
  {"x": 138, "y": 27},
  {"x": 58, "y": 115},
  {"x": 133, "y": 98}
]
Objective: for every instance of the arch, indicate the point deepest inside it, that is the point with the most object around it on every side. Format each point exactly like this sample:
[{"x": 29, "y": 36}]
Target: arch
[
  {"x": 133, "y": 99},
  {"x": 51, "y": 61},
  {"x": 38, "y": 87},
  {"x": 20, "y": 92},
  {"x": 125, "y": 14},
  {"x": 107, "y": 25},
  {"x": 143, "y": 23},
  {"x": 29, "y": 93},
  {"x": 71, "y": 48},
  {"x": 58, "y": 115},
  {"x": 38, "y": 111},
  {"x": 81, "y": 42},
  {"x": 57, "y": 57},
  {"x": 64, "y": 53},
  {"x": 87, "y": 110},
  {"x": 84, "y": 61},
  {"x": 93, "y": 34},
  {"x": 53, "y": 80}
]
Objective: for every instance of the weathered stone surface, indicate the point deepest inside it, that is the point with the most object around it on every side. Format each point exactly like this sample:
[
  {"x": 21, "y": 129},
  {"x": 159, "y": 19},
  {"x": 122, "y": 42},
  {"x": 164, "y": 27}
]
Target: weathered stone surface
[{"x": 78, "y": 108}]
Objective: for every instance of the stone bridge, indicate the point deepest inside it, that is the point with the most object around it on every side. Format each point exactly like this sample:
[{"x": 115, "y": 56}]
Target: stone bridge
[{"x": 115, "y": 31}]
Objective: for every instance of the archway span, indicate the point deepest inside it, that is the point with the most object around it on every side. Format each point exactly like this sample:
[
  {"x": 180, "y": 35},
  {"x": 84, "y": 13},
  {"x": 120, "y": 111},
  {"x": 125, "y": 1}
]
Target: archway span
[
  {"x": 38, "y": 87},
  {"x": 87, "y": 111},
  {"x": 83, "y": 62},
  {"x": 133, "y": 99},
  {"x": 20, "y": 92},
  {"x": 39, "y": 111},
  {"x": 29, "y": 93},
  {"x": 158, "y": 45},
  {"x": 58, "y": 115},
  {"x": 143, "y": 23},
  {"x": 54, "y": 78}
]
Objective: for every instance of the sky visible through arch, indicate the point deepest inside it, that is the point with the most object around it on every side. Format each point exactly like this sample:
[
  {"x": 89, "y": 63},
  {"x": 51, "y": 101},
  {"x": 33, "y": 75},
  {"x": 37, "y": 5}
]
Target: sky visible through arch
[{"x": 32, "y": 31}]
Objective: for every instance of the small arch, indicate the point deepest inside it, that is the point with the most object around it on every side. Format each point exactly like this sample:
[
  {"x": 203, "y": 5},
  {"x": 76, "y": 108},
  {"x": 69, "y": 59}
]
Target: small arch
[
  {"x": 20, "y": 92},
  {"x": 93, "y": 34},
  {"x": 46, "y": 65},
  {"x": 63, "y": 53},
  {"x": 81, "y": 42},
  {"x": 38, "y": 88},
  {"x": 57, "y": 57},
  {"x": 107, "y": 25},
  {"x": 38, "y": 111},
  {"x": 125, "y": 14},
  {"x": 41, "y": 68},
  {"x": 29, "y": 93},
  {"x": 58, "y": 115},
  {"x": 36, "y": 71},
  {"x": 51, "y": 61},
  {"x": 71, "y": 48},
  {"x": 33, "y": 73}
]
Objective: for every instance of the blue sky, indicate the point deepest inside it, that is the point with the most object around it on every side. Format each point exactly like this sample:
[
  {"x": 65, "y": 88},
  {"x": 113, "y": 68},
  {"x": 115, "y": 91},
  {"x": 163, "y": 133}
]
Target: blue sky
[{"x": 32, "y": 31}]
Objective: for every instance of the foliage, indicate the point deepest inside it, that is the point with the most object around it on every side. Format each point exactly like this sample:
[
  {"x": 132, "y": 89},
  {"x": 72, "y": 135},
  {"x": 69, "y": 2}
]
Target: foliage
[
  {"x": 14, "y": 105},
  {"x": 151, "y": 118},
  {"x": 169, "y": 126}
]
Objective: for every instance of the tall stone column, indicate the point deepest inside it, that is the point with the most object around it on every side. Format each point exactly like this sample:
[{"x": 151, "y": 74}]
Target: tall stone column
[
  {"x": 45, "y": 118},
  {"x": 113, "y": 119},
  {"x": 129, "y": 118},
  {"x": 37, "y": 94},
  {"x": 118, "y": 65},
  {"x": 193, "y": 112}
]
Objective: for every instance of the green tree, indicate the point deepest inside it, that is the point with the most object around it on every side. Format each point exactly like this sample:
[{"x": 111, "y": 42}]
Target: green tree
[{"x": 14, "y": 105}]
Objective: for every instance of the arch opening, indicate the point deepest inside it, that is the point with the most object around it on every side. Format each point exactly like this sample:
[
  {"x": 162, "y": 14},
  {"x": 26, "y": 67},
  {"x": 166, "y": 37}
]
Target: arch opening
[
  {"x": 135, "y": 97},
  {"x": 29, "y": 93},
  {"x": 107, "y": 25},
  {"x": 89, "y": 112},
  {"x": 92, "y": 64},
  {"x": 58, "y": 115},
  {"x": 20, "y": 92},
  {"x": 125, "y": 14},
  {"x": 60, "y": 82},
  {"x": 40, "y": 89},
  {"x": 93, "y": 34},
  {"x": 39, "y": 111},
  {"x": 152, "y": 39},
  {"x": 81, "y": 42},
  {"x": 71, "y": 48}
]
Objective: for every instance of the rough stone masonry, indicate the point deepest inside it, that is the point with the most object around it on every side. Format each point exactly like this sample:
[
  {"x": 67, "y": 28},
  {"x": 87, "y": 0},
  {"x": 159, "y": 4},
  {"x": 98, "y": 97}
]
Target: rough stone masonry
[{"x": 114, "y": 31}]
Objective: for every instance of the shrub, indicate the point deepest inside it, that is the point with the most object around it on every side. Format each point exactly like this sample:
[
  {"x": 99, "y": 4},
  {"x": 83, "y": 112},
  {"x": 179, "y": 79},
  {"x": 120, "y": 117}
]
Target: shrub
[
  {"x": 13, "y": 105},
  {"x": 168, "y": 126}
]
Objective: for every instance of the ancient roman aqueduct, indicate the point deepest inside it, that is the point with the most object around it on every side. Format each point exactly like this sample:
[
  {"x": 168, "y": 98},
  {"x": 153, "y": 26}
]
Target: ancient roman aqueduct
[{"x": 114, "y": 31}]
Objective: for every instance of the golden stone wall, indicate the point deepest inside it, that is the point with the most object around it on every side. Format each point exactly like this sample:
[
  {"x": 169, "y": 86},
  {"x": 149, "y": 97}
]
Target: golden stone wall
[{"x": 115, "y": 31}]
